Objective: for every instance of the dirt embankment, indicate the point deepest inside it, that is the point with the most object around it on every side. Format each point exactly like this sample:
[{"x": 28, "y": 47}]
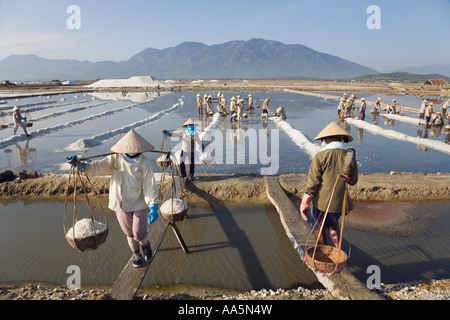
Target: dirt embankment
[{"x": 386, "y": 187}]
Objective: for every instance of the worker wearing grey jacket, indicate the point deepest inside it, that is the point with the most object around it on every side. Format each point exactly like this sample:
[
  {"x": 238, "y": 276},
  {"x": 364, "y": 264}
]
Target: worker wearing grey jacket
[{"x": 326, "y": 166}]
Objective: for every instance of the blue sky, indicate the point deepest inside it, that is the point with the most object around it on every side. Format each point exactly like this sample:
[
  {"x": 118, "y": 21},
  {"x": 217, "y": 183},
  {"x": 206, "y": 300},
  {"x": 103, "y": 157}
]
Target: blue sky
[{"x": 413, "y": 32}]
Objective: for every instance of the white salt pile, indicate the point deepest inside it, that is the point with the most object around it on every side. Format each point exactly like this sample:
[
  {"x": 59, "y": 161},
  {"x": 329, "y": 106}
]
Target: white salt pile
[
  {"x": 84, "y": 229},
  {"x": 178, "y": 206},
  {"x": 83, "y": 144},
  {"x": 98, "y": 139},
  {"x": 164, "y": 158},
  {"x": 297, "y": 137},
  {"x": 137, "y": 81},
  {"x": 434, "y": 144},
  {"x": 401, "y": 118}
]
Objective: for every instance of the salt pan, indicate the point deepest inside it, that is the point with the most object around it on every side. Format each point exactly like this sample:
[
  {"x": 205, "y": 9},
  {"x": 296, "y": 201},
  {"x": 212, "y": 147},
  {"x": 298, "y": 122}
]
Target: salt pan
[{"x": 84, "y": 229}]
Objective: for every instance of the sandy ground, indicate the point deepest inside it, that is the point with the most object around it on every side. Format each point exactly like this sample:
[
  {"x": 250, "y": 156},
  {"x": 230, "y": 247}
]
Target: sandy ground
[{"x": 419, "y": 290}]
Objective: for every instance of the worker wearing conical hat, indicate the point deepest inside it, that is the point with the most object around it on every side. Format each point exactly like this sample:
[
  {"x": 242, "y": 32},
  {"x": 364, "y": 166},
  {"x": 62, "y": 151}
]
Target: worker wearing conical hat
[
  {"x": 233, "y": 108},
  {"x": 190, "y": 139},
  {"x": 326, "y": 166},
  {"x": 17, "y": 118},
  {"x": 133, "y": 193},
  {"x": 265, "y": 108},
  {"x": 391, "y": 108},
  {"x": 250, "y": 102},
  {"x": 199, "y": 104},
  {"x": 362, "y": 109},
  {"x": 428, "y": 112}
]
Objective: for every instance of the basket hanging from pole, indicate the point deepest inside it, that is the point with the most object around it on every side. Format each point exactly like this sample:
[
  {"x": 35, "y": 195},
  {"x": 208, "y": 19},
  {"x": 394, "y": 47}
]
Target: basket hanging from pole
[
  {"x": 28, "y": 123},
  {"x": 165, "y": 160},
  {"x": 171, "y": 214},
  {"x": 97, "y": 231},
  {"x": 324, "y": 258},
  {"x": 5, "y": 124}
]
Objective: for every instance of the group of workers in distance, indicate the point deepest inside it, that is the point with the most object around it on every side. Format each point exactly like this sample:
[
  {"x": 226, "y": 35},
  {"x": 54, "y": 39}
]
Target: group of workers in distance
[
  {"x": 346, "y": 107},
  {"x": 427, "y": 115},
  {"x": 237, "y": 106}
]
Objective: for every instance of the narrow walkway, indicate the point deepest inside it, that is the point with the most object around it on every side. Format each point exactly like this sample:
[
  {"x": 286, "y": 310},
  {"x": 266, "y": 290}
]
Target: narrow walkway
[
  {"x": 130, "y": 279},
  {"x": 342, "y": 285}
]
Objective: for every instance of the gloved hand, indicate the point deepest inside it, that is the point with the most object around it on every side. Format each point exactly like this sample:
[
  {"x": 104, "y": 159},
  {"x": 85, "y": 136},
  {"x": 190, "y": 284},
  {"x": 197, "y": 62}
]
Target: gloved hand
[
  {"x": 167, "y": 133},
  {"x": 75, "y": 162},
  {"x": 304, "y": 206},
  {"x": 153, "y": 215}
]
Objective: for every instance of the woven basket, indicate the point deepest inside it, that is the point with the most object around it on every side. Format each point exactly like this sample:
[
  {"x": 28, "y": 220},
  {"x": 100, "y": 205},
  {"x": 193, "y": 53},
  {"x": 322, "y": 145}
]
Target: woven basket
[
  {"x": 164, "y": 163},
  {"x": 178, "y": 216},
  {"x": 88, "y": 243},
  {"x": 28, "y": 124},
  {"x": 4, "y": 126},
  {"x": 327, "y": 259}
]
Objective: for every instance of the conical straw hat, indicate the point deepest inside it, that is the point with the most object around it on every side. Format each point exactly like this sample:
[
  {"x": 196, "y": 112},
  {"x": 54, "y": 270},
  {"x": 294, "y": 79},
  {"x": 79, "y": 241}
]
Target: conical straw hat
[
  {"x": 189, "y": 122},
  {"x": 132, "y": 143},
  {"x": 331, "y": 130}
]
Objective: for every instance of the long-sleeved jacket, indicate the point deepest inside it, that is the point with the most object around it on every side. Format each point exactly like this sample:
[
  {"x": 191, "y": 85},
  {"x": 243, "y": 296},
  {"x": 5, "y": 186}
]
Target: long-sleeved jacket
[
  {"x": 17, "y": 117},
  {"x": 132, "y": 186},
  {"x": 428, "y": 111},
  {"x": 188, "y": 141},
  {"x": 324, "y": 169}
]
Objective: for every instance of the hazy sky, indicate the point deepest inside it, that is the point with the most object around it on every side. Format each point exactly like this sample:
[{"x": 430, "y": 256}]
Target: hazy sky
[{"x": 412, "y": 33}]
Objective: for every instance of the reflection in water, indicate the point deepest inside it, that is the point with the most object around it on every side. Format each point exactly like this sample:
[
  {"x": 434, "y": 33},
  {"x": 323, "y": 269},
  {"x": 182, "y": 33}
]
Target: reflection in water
[
  {"x": 26, "y": 154},
  {"x": 360, "y": 135}
]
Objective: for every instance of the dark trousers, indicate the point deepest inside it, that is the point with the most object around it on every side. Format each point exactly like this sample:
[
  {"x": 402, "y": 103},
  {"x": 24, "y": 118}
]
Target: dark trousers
[{"x": 183, "y": 156}]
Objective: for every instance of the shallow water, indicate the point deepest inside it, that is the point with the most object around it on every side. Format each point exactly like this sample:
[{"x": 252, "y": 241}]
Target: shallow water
[
  {"x": 307, "y": 114},
  {"x": 239, "y": 246}
]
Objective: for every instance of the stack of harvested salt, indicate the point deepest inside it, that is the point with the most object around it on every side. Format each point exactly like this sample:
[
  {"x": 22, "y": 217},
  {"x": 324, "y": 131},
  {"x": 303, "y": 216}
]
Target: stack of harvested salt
[
  {"x": 84, "y": 229},
  {"x": 164, "y": 161},
  {"x": 174, "y": 209},
  {"x": 178, "y": 206}
]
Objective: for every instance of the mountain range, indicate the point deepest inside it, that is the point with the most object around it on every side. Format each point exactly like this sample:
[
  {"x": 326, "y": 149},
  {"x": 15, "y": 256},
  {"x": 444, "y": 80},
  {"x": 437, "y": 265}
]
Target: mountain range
[
  {"x": 443, "y": 69},
  {"x": 251, "y": 59}
]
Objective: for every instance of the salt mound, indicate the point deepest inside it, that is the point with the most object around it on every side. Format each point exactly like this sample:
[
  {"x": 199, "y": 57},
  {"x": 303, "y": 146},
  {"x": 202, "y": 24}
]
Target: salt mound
[
  {"x": 82, "y": 144},
  {"x": 138, "y": 81},
  {"x": 178, "y": 206},
  {"x": 84, "y": 229}
]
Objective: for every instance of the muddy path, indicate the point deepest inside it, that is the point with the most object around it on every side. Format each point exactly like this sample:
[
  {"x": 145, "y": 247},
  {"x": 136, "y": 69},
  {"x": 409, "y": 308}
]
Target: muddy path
[{"x": 384, "y": 187}]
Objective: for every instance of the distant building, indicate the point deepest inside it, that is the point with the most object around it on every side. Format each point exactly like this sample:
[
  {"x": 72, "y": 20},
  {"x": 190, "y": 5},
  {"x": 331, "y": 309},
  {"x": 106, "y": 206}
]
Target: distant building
[
  {"x": 435, "y": 83},
  {"x": 56, "y": 82}
]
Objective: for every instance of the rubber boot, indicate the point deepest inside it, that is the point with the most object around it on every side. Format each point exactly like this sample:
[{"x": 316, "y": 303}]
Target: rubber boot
[
  {"x": 137, "y": 257},
  {"x": 147, "y": 251},
  {"x": 334, "y": 235}
]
